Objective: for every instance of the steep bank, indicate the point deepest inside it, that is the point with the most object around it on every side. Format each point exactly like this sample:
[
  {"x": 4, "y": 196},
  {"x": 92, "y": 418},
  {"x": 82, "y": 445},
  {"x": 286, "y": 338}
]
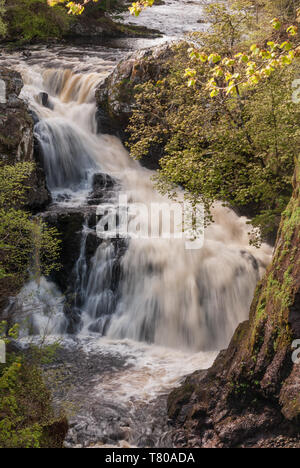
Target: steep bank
[
  {"x": 250, "y": 396},
  {"x": 17, "y": 140}
]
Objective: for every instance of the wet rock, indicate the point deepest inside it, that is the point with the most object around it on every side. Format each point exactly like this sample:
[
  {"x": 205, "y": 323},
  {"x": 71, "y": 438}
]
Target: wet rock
[
  {"x": 69, "y": 223},
  {"x": 17, "y": 141},
  {"x": 103, "y": 189},
  {"x": 26, "y": 54},
  {"x": 44, "y": 100},
  {"x": 79, "y": 243}
]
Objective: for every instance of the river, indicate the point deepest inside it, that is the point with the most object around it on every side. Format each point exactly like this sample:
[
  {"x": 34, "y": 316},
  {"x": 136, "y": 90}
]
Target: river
[{"x": 173, "y": 308}]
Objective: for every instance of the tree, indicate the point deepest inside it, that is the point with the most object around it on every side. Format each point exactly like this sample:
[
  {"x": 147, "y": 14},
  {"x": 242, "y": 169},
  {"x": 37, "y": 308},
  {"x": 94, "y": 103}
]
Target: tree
[
  {"x": 25, "y": 242},
  {"x": 240, "y": 146},
  {"x": 235, "y": 70}
]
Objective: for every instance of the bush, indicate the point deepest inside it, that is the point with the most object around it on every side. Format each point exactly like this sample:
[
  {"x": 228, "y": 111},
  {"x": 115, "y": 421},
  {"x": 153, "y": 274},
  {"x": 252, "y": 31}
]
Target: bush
[
  {"x": 26, "y": 243},
  {"x": 34, "y": 19},
  {"x": 27, "y": 419}
]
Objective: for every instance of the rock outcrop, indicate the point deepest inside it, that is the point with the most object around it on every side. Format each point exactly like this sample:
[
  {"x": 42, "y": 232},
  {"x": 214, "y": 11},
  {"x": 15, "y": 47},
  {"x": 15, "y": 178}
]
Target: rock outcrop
[
  {"x": 251, "y": 395},
  {"x": 16, "y": 137},
  {"x": 95, "y": 28},
  {"x": 69, "y": 223},
  {"x": 116, "y": 95},
  {"x": 77, "y": 228}
]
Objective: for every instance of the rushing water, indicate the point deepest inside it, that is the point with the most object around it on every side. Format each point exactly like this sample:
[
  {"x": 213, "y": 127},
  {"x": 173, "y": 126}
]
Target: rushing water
[
  {"x": 172, "y": 310},
  {"x": 172, "y": 18}
]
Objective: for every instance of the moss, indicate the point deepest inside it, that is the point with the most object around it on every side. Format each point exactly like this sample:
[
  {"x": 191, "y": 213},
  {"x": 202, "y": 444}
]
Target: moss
[{"x": 279, "y": 288}]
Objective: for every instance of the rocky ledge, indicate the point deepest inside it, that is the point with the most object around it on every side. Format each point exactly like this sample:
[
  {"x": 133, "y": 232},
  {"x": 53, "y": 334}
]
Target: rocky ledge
[
  {"x": 16, "y": 137},
  {"x": 251, "y": 395}
]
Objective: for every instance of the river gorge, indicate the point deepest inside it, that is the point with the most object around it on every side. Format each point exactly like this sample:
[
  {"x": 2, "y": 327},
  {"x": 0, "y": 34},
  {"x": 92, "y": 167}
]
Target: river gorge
[{"x": 133, "y": 317}]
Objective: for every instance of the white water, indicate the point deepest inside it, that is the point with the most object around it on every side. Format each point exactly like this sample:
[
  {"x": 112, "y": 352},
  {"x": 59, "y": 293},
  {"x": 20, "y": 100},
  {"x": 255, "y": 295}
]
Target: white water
[
  {"x": 191, "y": 300},
  {"x": 174, "y": 19},
  {"x": 185, "y": 304}
]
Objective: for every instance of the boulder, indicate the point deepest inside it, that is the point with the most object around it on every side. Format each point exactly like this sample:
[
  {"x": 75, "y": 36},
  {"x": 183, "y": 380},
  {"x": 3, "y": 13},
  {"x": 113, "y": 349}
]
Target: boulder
[
  {"x": 69, "y": 223},
  {"x": 115, "y": 95}
]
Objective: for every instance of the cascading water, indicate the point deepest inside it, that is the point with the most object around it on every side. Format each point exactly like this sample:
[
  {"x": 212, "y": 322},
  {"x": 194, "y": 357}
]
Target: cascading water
[
  {"x": 191, "y": 299},
  {"x": 168, "y": 295},
  {"x": 150, "y": 290}
]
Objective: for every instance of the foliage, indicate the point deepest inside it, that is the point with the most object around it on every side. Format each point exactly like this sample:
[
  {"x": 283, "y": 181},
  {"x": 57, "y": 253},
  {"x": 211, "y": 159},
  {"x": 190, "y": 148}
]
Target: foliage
[
  {"x": 240, "y": 147},
  {"x": 77, "y": 8},
  {"x": 26, "y": 413},
  {"x": 138, "y": 7},
  {"x": 233, "y": 72},
  {"x": 33, "y": 19},
  {"x": 25, "y": 243},
  {"x": 239, "y": 150},
  {"x": 74, "y": 8}
]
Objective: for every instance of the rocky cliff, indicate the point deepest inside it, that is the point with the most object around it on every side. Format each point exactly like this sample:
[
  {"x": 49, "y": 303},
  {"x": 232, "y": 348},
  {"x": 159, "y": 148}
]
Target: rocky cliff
[
  {"x": 251, "y": 395},
  {"x": 16, "y": 137}
]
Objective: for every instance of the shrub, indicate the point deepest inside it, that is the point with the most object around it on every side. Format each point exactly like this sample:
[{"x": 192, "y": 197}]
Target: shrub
[{"x": 34, "y": 19}]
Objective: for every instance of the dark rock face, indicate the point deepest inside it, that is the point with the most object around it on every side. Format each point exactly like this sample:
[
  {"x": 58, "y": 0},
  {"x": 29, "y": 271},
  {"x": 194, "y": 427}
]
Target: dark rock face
[
  {"x": 69, "y": 223},
  {"x": 79, "y": 243},
  {"x": 115, "y": 96},
  {"x": 103, "y": 187},
  {"x": 251, "y": 395},
  {"x": 16, "y": 138},
  {"x": 44, "y": 100},
  {"x": 97, "y": 28}
]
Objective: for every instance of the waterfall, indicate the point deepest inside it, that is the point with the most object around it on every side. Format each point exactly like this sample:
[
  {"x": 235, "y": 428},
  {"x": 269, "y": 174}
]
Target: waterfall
[
  {"x": 66, "y": 158},
  {"x": 165, "y": 294}
]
